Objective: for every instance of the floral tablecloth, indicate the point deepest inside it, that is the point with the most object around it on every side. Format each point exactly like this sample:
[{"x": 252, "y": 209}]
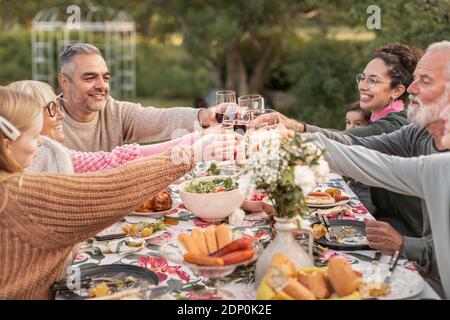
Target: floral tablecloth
[{"x": 181, "y": 283}]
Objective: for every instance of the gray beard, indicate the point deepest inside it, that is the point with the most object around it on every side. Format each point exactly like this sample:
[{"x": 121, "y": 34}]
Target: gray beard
[{"x": 422, "y": 115}]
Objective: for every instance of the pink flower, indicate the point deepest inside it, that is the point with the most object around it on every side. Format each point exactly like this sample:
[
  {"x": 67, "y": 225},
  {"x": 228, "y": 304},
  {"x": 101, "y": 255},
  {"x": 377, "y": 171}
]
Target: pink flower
[
  {"x": 183, "y": 275},
  {"x": 202, "y": 295},
  {"x": 162, "y": 238},
  {"x": 161, "y": 276},
  {"x": 162, "y": 268},
  {"x": 202, "y": 223},
  {"x": 359, "y": 209},
  {"x": 262, "y": 234}
]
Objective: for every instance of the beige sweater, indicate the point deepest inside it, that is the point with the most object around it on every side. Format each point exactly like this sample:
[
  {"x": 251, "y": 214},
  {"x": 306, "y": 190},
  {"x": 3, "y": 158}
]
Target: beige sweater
[
  {"x": 120, "y": 122},
  {"x": 48, "y": 214}
]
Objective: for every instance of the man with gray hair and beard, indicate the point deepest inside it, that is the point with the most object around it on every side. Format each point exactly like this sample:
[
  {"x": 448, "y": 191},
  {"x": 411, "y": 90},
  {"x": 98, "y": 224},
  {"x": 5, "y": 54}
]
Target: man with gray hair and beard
[{"x": 429, "y": 95}]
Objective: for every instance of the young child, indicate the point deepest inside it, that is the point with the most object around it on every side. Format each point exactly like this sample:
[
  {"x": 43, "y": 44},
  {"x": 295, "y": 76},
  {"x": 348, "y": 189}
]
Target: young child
[{"x": 356, "y": 117}]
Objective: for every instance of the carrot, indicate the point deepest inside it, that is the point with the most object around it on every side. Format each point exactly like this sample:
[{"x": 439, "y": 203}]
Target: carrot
[
  {"x": 203, "y": 260},
  {"x": 236, "y": 245},
  {"x": 237, "y": 256}
]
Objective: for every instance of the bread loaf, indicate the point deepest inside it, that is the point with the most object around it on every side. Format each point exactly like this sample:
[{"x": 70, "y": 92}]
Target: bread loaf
[
  {"x": 298, "y": 291},
  {"x": 318, "y": 285},
  {"x": 342, "y": 277}
]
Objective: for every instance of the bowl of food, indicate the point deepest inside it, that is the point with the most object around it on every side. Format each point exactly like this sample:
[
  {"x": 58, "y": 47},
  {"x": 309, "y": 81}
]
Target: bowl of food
[
  {"x": 213, "y": 252},
  {"x": 211, "y": 198},
  {"x": 254, "y": 204}
]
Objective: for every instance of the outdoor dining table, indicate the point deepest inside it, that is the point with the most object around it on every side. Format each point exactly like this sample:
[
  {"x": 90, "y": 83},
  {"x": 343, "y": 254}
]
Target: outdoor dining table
[{"x": 182, "y": 283}]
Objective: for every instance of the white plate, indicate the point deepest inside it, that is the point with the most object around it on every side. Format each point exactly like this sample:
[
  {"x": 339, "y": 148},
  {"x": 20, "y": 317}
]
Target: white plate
[
  {"x": 404, "y": 283},
  {"x": 156, "y": 215},
  {"x": 340, "y": 203},
  {"x": 117, "y": 228}
]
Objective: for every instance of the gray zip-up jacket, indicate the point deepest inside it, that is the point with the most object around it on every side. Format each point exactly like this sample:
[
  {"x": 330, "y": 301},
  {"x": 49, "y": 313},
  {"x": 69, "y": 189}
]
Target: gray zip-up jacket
[{"x": 426, "y": 177}]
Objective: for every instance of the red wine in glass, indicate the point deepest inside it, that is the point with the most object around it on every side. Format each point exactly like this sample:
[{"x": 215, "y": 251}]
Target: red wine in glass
[
  {"x": 219, "y": 117},
  {"x": 240, "y": 126}
]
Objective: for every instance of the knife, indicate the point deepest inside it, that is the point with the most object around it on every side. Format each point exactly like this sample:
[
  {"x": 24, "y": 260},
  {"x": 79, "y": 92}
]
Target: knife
[{"x": 392, "y": 265}]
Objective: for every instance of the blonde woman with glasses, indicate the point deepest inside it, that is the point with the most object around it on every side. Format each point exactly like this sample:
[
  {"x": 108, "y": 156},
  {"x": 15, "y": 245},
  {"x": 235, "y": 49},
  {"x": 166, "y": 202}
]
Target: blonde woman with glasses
[
  {"x": 54, "y": 157},
  {"x": 44, "y": 215}
]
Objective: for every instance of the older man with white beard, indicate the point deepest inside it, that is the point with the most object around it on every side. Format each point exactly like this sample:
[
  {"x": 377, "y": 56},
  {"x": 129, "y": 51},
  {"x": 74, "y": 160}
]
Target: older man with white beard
[{"x": 429, "y": 94}]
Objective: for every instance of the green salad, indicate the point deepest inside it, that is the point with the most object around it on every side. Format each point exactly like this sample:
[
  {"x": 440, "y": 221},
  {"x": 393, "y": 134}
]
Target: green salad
[{"x": 211, "y": 186}]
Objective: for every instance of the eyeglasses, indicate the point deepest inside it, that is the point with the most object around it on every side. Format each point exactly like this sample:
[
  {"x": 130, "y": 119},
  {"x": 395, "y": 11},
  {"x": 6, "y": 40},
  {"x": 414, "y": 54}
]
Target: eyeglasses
[
  {"x": 371, "y": 82},
  {"x": 53, "y": 107}
]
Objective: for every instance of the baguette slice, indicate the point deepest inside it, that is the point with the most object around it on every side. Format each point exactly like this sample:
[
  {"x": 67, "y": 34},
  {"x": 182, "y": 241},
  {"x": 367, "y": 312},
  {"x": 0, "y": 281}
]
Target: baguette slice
[
  {"x": 189, "y": 243},
  {"x": 283, "y": 264},
  {"x": 211, "y": 242},
  {"x": 298, "y": 291},
  {"x": 223, "y": 235},
  {"x": 200, "y": 240},
  {"x": 342, "y": 277},
  {"x": 318, "y": 285}
]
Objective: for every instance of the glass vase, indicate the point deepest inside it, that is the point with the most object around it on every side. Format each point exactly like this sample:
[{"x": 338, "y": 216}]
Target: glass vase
[{"x": 284, "y": 242}]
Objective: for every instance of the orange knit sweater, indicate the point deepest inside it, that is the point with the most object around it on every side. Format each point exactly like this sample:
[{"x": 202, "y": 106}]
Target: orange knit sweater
[{"x": 45, "y": 215}]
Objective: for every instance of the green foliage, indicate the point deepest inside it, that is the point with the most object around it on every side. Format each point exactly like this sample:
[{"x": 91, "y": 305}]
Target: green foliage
[
  {"x": 15, "y": 55},
  {"x": 417, "y": 22},
  {"x": 166, "y": 71},
  {"x": 323, "y": 76}
]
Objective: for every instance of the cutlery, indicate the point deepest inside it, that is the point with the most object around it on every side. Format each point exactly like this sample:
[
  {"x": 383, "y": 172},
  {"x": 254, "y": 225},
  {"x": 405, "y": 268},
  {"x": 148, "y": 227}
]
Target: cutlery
[
  {"x": 62, "y": 285},
  {"x": 330, "y": 230},
  {"x": 113, "y": 236},
  {"x": 330, "y": 234},
  {"x": 392, "y": 265},
  {"x": 373, "y": 273}
]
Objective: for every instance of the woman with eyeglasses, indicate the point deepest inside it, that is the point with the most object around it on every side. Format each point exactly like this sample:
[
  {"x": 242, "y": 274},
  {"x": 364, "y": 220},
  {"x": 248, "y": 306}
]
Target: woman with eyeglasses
[
  {"x": 382, "y": 90},
  {"x": 54, "y": 157},
  {"x": 44, "y": 215}
]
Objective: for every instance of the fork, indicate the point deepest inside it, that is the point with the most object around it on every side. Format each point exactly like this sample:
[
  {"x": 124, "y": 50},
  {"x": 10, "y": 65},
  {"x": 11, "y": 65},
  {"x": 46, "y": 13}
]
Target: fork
[
  {"x": 330, "y": 230},
  {"x": 324, "y": 220},
  {"x": 61, "y": 285}
]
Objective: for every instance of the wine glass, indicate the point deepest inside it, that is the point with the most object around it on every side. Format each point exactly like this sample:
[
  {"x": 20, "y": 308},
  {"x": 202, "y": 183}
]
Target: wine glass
[
  {"x": 224, "y": 99},
  {"x": 264, "y": 118},
  {"x": 252, "y": 101},
  {"x": 242, "y": 120},
  {"x": 212, "y": 276}
]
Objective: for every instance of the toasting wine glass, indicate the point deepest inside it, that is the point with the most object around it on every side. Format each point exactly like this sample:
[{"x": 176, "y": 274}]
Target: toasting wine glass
[
  {"x": 264, "y": 118},
  {"x": 242, "y": 120},
  {"x": 224, "y": 99},
  {"x": 252, "y": 102}
]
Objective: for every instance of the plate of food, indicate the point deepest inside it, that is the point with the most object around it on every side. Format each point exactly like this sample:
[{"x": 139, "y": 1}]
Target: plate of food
[
  {"x": 404, "y": 283},
  {"x": 284, "y": 281},
  {"x": 211, "y": 253},
  {"x": 350, "y": 234},
  {"x": 102, "y": 281},
  {"x": 329, "y": 198},
  {"x": 145, "y": 229},
  {"x": 157, "y": 206}
]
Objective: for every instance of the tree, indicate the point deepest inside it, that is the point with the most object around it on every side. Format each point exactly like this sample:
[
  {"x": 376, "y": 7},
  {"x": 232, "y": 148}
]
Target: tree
[
  {"x": 417, "y": 22},
  {"x": 238, "y": 42}
]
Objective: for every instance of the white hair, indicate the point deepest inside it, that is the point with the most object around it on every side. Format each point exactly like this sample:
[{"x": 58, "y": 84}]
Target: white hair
[{"x": 441, "y": 46}]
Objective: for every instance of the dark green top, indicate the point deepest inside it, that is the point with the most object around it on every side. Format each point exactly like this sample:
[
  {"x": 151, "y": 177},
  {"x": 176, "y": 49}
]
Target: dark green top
[{"x": 393, "y": 121}]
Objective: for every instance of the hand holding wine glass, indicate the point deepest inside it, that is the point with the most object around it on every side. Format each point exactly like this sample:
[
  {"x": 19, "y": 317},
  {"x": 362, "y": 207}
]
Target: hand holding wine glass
[{"x": 224, "y": 99}]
